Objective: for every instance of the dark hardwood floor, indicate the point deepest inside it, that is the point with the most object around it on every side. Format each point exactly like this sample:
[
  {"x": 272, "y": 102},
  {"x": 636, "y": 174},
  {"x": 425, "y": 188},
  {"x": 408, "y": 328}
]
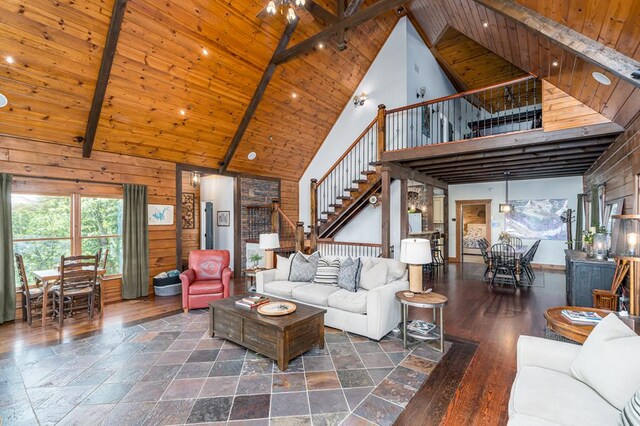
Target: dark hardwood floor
[{"x": 494, "y": 319}]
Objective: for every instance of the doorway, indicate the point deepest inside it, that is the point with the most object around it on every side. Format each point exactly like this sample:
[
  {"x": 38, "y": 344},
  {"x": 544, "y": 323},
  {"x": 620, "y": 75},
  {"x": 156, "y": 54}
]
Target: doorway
[{"x": 473, "y": 223}]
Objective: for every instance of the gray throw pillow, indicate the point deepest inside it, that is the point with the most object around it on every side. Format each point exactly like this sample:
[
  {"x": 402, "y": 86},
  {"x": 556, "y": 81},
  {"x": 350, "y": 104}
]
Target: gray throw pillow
[
  {"x": 303, "y": 268},
  {"x": 631, "y": 411},
  {"x": 349, "y": 275}
]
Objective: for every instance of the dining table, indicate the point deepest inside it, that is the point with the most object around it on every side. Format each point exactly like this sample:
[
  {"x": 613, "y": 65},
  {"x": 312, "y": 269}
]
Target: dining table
[
  {"x": 50, "y": 277},
  {"x": 520, "y": 251}
]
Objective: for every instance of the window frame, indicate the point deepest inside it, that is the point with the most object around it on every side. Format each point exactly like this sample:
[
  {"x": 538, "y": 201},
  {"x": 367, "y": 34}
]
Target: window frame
[{"x": 75, "y": 232}]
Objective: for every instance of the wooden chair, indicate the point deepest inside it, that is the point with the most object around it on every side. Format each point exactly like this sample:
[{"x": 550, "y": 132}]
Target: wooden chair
[
  {"x": 503, "y": 261},
  {"x": 78, "y": 275},
  {"x": 102, "y": 264},
  {"x": 31, "y": 297},
  {"x": 516, "y": 242},
  {"x": 484, "y": 247},
  {"x": 527, "y": 259}
]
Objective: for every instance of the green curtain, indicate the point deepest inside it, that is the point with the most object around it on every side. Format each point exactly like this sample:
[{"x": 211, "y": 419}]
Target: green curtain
[
  {"x": 135, "y": 243},
  {"x": 595, "y": 206},
  {"x": 579, "y": 223},
  {"x": 7, "y": 272}
]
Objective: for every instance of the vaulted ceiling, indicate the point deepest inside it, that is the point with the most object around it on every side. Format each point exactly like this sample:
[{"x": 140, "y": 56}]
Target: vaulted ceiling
[
  {"x": 169, "y": 99},
  {"x": 160, "y": 71}
]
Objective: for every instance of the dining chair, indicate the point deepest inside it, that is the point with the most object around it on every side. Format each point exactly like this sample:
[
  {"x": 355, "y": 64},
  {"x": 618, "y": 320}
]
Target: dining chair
[
  {"x": 516, "y": 242},
  {"x": 78, "y": 275},
  {"x": 527, "y": 259},
  {"x": 503, "y": 261},
  {"x": 31, "y": 296},
  {"x": 484, "y": 247},
  {"x": 102, "y": 264}
]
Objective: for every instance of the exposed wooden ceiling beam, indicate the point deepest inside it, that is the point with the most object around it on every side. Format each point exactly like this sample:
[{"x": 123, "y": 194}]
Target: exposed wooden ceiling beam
[
  {"x": 399, "y": 172},
  {"x": 462, "y": 172},
  {"x": 109, "y": 52},
  {"x": 545, "y": 175},
  {"x": 354, "y": 20},
  {"x": 342, "y": 44},
  {"x": 353, "y": 7},
  {"x": 257, "y": 95},
  {"x": 504, "y": 141},
  {"x": 580, "y": 45},
  {"x": 320, "y": 12}
]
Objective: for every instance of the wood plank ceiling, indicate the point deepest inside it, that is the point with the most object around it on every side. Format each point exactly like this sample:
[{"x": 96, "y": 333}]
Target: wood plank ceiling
[
  {"x": 613, "y": 23},
  {"x": 169, "y": 99}
]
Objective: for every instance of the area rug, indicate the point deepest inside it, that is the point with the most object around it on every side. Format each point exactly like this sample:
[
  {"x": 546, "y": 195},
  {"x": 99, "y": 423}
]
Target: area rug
[{"x": 169, "y": 371}]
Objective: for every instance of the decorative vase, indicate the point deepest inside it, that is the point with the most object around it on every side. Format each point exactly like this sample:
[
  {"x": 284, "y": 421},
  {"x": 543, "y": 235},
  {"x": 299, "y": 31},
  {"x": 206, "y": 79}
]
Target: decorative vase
[
  {"x": 599, "y": 247},
  {"x": 588, "y": 247}
]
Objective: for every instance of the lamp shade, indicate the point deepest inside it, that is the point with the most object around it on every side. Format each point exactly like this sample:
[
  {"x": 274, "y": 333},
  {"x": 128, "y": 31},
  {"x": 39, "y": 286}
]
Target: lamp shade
[
  {"x": 415, "y": 251},
  {"x": 269, "y": 241}
]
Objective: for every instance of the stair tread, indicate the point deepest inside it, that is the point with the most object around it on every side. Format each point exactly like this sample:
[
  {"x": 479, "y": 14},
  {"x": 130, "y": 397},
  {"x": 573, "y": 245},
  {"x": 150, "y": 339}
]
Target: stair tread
[
  {"x": 351, "y": 189},
  {"x": 360, "y": 181},
  {"x": 335, "y": 205},
  {"x": 344, "y": 197},
  {"x": 328, "y": 212},
  {"x": 368, "y": 172}
]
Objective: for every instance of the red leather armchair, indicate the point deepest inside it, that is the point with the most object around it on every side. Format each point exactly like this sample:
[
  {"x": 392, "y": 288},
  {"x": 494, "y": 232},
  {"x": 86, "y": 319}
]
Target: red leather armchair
[{"x": 207, "y": 279}]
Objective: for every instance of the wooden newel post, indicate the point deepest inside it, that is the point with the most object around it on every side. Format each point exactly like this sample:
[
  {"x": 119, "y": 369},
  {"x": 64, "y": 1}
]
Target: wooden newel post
[
  {"x": 381, "y": 131},
  {"x": 313, "y": 198},
  {"x": 300, "y": 236},
  {"x": 275, "y": 218},
  {"x": 386, "y": 213}
]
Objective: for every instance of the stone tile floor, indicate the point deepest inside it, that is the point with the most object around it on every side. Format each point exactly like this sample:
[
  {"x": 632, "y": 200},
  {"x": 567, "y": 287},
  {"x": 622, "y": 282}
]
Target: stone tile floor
[{"x": 169, "y": 371}]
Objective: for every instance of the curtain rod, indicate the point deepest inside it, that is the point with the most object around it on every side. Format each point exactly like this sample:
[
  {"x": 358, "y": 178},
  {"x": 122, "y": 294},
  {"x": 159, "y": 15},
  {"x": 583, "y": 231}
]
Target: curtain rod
[{"x": 68, "y": 180}]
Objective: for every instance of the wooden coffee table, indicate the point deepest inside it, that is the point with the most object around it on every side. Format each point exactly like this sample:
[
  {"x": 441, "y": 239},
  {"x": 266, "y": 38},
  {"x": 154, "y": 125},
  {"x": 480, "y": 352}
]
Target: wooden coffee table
[
  {"x": 279, "y": 338},
  {"x": 571, "y": 330}
]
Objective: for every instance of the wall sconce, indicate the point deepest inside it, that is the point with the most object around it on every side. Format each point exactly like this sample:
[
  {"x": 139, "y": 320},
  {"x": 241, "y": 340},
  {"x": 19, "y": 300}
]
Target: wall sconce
[
  {"x": 195, "y": 179},
  {"x": 359, "y": 100},
  {"x": 421, "y": 92}
]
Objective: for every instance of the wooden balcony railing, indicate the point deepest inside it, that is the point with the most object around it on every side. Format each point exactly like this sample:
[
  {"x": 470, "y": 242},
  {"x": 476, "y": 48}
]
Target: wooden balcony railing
[{"x": 501, "y": 108}]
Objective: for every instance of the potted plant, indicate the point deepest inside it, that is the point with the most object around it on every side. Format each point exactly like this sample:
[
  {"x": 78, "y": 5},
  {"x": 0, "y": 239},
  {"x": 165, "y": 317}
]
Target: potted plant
[
  {"x": 505, "y": 237},
  {"x": 587, "y": 239},
  {"x": 255, "y": 258}
]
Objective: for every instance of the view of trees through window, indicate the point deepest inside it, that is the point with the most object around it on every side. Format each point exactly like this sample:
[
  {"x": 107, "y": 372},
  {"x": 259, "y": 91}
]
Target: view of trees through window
[{"x": 42, "y": 229}]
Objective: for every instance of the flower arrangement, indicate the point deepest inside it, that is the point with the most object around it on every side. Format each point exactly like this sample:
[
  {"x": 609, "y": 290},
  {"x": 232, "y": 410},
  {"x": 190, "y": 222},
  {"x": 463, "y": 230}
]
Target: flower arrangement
[{"x": 504, "y": 236}]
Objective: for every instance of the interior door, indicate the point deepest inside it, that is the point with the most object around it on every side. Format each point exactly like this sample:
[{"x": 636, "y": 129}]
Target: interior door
[{"x": 207, "y": 225}]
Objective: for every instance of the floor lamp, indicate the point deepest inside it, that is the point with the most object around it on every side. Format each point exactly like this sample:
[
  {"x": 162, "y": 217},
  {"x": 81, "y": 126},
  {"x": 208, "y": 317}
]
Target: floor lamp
[{"x": 415, "y": 252}]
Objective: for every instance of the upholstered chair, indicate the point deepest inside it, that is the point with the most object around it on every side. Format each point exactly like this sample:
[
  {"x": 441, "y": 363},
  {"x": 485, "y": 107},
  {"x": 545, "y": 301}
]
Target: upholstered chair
[{"x": 207, "y": 279}]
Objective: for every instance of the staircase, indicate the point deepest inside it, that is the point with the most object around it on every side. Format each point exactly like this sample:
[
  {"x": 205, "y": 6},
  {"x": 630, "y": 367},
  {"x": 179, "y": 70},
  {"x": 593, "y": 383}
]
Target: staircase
[{"x": 344, "y": 191}]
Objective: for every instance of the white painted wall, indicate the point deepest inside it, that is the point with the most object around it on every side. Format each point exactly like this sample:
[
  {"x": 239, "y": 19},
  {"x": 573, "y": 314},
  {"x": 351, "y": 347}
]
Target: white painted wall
[
  {"x": 219, "y": 190},
  {"x": 549, "y": 252},
  {"x": 392, "y": 80}
]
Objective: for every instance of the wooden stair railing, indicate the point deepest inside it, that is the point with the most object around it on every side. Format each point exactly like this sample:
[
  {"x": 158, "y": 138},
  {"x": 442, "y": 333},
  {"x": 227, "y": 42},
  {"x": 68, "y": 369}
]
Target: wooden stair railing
[
  {"x": 271, "y": 218},
  {"x": 341, "y": 193}
]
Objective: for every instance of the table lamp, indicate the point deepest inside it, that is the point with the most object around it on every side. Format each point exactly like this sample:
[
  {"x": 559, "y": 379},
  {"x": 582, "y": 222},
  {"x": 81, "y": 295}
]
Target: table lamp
[
  {"x": 415, "y": 252},
  {"x": 269, "y": 242}
]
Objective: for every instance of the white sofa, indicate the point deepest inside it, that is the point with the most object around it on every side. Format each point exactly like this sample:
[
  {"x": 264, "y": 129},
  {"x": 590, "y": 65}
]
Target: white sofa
[
  {"x": 545, "y": 393},
  {"x": 372, "y": 313}
]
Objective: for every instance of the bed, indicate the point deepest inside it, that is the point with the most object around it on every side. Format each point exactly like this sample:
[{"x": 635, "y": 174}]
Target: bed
[{"x": 472, "y": 234}]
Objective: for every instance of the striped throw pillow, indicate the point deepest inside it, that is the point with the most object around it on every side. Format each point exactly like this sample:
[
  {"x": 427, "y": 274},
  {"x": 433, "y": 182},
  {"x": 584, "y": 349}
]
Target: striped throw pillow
[
  {"x": 631, "y": 411},
  {"x": 327, "y": 272}
]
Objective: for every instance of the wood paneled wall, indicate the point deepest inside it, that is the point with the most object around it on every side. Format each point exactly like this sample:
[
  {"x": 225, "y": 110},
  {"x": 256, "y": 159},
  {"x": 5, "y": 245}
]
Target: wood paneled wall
[
  {"x": 562, "y": 111},
  {"x": 618, "y": 167},
  {"x": 191, "y": 237},
  {"x": 289, "y": 196},
  {"x": 30, "y": 161}
]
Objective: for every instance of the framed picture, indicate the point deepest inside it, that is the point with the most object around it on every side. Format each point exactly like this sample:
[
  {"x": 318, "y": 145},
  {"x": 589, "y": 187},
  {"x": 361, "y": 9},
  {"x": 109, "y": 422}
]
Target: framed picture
[
  {"x": 188, "y": 211},
  {"x": 224, "y": 218},
  {"x": 160, "y": 214}
]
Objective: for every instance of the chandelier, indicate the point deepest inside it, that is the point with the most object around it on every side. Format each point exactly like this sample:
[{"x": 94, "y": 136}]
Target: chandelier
[{"x": 281, "y": 5}]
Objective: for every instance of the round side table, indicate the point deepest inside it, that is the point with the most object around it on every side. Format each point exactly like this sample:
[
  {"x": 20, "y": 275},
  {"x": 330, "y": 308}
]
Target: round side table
[{"x": 434, "y": 301}]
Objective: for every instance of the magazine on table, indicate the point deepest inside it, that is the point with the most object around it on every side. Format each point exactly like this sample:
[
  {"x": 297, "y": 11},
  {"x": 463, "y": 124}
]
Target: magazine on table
[
  {"x": 582, "y": 316},
  {"x": 419, "y": 326}
]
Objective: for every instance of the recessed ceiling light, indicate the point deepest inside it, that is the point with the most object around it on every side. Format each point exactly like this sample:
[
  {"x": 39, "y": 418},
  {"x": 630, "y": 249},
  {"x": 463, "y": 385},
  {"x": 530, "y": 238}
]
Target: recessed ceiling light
[
  {"x": 252, "y": 155},
  {"x": 601, "y": 78},
  {"x": 485, "y": 24},
  {"x": 3, "y": 100},
  {"x": 554, "y": 63},
  {"x": 205, "y": 52},
  {"x": 321, "y": 45},
  {"x": 183, "y": 112},
  {"x": 9, "y": 59},
  {"x": 294, "y": 95}
]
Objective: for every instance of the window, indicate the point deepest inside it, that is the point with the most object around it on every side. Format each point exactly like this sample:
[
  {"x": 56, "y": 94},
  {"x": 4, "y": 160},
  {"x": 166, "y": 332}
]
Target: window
[
  {"x": 102, "y": 229},
  {"x": 43, "y": 229}
]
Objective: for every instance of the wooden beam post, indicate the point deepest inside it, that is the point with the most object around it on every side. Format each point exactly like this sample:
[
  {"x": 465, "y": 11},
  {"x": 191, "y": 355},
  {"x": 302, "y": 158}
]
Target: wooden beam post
[
  {"x": 573, "y": 41},
  {"x": 300, "y": 236},
  {"x": 353, "y": 7},
  {"x": 109, "y": 52},
  {"x": 381, "y": 131},
  {"x": 313, "y": 190},
  {"x": 400, "y": 172},
  {"x": 275, "y": 217},
  {"x": 257, "y": 96},
  {"x": 404, "y": 211},
  {"x": 354, "y": 20},
  {"x": 429, "y": 191},
  {"x": 320, "y": 12},
  {"x": 386, "y": 213},
  {"x": 342, "y": 44}
]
